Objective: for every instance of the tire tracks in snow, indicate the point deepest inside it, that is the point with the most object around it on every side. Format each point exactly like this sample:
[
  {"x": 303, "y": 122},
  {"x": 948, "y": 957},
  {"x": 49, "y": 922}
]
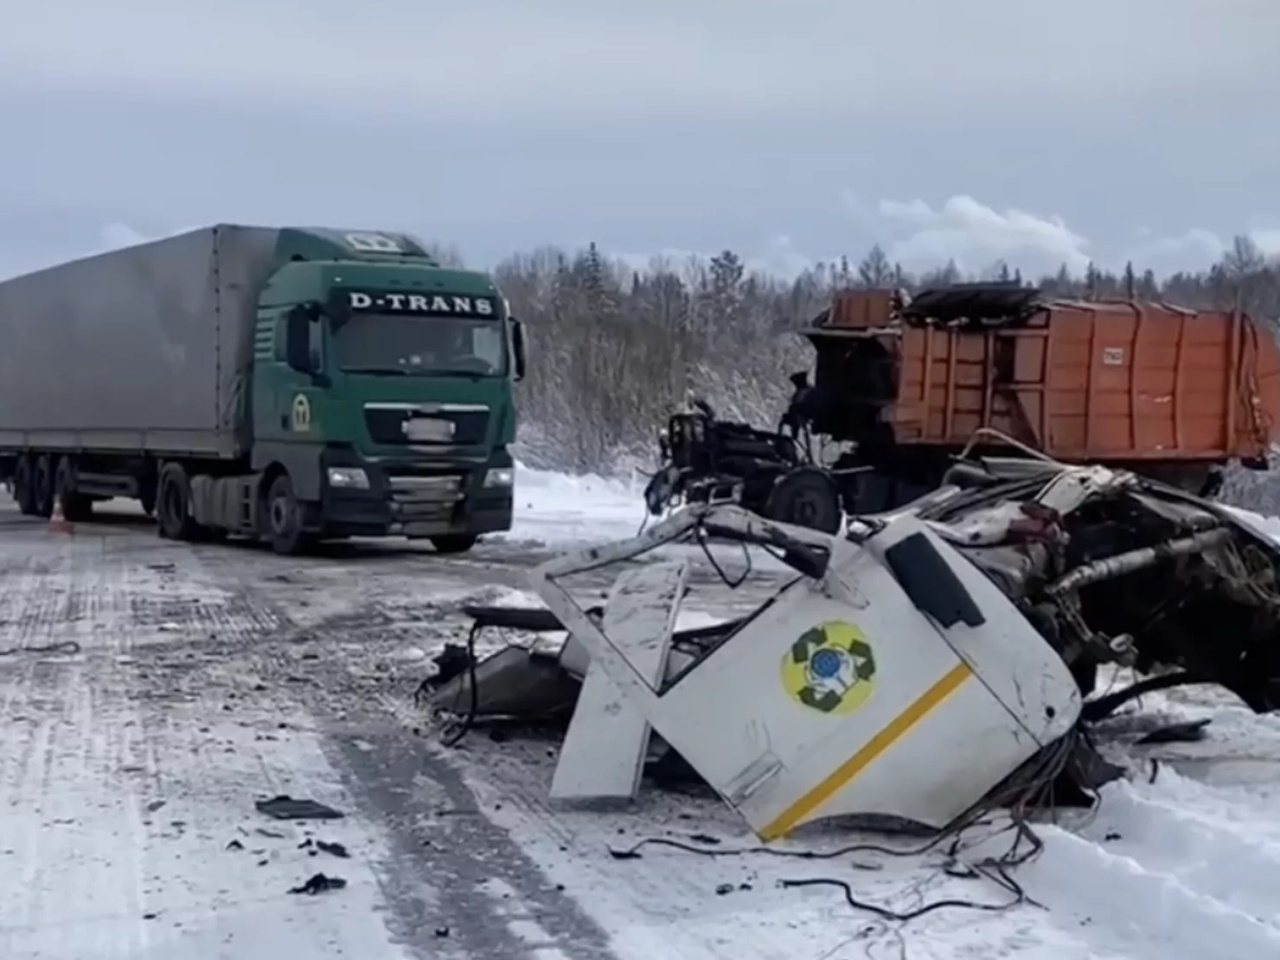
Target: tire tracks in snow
[
  {"x": 450, "y": 867},
  {"x": 1105, "y": 899},
  {"x": 98, "y": 743},
  {"x": 1177, "y": 883}
]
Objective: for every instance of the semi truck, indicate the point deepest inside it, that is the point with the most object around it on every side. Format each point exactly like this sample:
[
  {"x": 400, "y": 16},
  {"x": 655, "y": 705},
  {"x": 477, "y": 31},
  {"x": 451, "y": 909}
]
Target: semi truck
[
  {"x": 286, "y": 384},
  {"x": 905, "y": 385}
]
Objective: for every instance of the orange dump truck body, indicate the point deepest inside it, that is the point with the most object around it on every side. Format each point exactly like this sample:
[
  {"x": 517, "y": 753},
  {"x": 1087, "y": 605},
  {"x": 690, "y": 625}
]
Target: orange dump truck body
[{"x": 1098, "y": 381}]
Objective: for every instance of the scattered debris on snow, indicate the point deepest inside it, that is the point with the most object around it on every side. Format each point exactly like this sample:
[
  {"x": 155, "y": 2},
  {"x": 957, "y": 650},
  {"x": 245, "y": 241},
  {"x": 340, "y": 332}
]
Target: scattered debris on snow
[
  {"x": 1030, "y": 583},
  {"x": 287, "y": 808},
  {"x": 1174, "y": 859},
  {"x": 319, "y": 883}
]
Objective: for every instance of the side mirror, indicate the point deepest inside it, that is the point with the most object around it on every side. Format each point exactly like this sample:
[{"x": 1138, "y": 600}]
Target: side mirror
[
  {"x": 337, "y": 309},
  {"x": 297, "y": 339},
  {"x": 517, "y": 348}
]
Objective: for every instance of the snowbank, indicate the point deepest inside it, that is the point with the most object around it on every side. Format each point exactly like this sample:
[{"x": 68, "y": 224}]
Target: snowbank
[
  {"x": 1261, "y": 524},
  {"x": 555, "y": 509}
]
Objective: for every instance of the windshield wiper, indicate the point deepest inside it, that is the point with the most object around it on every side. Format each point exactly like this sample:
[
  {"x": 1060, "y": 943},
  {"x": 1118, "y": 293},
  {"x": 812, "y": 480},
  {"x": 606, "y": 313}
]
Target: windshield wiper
[{"x": 399, "y": 370}]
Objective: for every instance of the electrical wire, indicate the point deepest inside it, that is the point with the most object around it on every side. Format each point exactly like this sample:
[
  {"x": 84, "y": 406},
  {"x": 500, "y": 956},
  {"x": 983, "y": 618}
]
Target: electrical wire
[
  {"x": 700, "y": 533},
  {"x": 849, "y": 850},
  {"x": 1104, "y": 706},
  {"x": 458, "y": 728},
  {"x": 1031, "y": 783},
  {"x": 1000, "y": 877}
]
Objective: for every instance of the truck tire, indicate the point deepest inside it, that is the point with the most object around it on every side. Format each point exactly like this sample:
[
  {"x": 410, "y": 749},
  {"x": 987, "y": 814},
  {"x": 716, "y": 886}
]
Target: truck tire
[
  {"x": 42, "y": 487},
  {"x": 24, "y": 491},
  {"x": 806, "y": 497},
  {"x": 75, "y": 507},
  {"x": 282, "y": 519},
  {"x": 454, "y": 542},
  {"x": 173, "y": 505}
]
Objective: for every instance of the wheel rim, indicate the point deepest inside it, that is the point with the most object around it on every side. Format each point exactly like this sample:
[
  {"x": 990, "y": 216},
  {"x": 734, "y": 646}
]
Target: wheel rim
[
  {"x": 805, "y": 509},
  {"x": 281, "y": 515},
  {"x": 807, "y": 505},
  {"x": 803, "y": 506}
]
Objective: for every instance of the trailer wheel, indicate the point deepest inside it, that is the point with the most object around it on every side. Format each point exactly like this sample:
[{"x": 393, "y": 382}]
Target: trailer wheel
[
  {"x": 806, "y": 497},
  {"x": 42, "y": 493},
  {"x": 454, "y": 542},
  {"x": 173, "y": 505},
  {"x": 24, "y": 493},
  {"x": 75, "y": 507},
  {"x": 283, "y": 516}
]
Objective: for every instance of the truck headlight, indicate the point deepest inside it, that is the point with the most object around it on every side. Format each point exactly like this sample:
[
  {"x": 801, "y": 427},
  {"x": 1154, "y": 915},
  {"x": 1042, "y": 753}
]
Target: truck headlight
[
  {"x": 500, "y": 477},
  {"x": 349, "y": 478}
]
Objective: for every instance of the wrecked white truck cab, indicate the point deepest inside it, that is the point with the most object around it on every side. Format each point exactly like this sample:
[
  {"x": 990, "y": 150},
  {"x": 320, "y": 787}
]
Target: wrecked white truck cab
[
  {"x": 895, "y": 678},
  {"x": 925, "y": 665}
]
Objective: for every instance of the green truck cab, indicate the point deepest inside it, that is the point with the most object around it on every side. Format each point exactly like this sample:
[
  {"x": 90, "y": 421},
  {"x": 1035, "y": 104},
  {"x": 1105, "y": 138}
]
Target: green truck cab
[{"x": 308, "y": 384}]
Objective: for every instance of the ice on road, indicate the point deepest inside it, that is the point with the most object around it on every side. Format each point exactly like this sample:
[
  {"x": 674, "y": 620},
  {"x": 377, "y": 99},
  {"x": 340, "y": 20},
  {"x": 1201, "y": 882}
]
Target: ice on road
[{"x": 205, "y": 677}]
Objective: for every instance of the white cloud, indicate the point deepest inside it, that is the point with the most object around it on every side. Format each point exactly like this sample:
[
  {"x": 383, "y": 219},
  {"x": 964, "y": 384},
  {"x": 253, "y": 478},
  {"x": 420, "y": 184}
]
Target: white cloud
[
  {"x": 781, "y": 258},
  {"x": 117, "y": 235},
  {"x": 975, "y": 236},
  {"x": 573, "y": 55},
  {"x": 962, "y": 229},
  {"x": 1192, "y": 250},
  {"x": 111, "y": 237}
]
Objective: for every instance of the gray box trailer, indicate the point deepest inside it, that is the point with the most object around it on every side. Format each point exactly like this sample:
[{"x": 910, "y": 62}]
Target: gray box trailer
[
  {"x": 140, "y": 349},
  {"x": 183, "y": 373}
]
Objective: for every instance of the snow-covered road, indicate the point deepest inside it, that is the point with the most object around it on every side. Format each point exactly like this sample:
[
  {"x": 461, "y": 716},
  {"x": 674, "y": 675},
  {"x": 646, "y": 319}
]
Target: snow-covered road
[{"x": 207, "y": 677}]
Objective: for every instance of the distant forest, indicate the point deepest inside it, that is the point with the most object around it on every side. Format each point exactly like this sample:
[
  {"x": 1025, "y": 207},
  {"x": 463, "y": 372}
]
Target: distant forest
[{"x": 613, "y": 349}]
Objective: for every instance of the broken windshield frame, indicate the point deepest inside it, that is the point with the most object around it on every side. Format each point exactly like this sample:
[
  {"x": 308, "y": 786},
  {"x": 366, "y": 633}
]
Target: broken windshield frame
[{"x": 421, "y": 346}]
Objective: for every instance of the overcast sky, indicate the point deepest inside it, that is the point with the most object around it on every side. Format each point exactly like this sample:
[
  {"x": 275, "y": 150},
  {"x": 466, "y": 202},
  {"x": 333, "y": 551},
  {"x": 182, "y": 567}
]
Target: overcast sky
[{"x": 788, "y": 130}]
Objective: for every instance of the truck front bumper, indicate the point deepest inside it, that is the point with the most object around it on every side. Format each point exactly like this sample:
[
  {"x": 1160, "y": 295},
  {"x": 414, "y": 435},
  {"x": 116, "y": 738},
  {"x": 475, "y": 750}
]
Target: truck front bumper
[{"x": 413, "y": 499}]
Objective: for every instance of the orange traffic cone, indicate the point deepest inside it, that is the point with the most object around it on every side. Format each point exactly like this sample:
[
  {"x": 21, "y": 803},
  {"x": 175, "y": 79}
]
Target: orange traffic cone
[{"x": 58, "y": 523}]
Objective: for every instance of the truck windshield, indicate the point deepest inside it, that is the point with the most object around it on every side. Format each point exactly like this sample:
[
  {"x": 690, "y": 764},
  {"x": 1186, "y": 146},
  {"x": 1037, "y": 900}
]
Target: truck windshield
[{"x": 421, "y": 346}]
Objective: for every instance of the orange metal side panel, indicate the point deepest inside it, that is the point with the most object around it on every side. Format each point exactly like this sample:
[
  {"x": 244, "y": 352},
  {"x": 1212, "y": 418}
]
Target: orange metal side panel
[
  {"x": 1137, "y": 381},
  {"x": 862, "y": 308},
  {"x": 942, "y": 386},
  {"x": 1261, "y": 393},
  {"x": 1108, "y": 380}
]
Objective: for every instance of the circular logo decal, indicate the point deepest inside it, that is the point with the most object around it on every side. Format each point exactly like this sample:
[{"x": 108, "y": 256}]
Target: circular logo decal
[
  {"x": 831, "y": 668},
  {"x": 300, "y": 416}
]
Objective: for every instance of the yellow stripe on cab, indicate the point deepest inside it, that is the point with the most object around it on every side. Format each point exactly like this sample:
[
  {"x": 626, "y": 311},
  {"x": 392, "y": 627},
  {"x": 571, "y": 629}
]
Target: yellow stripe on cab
[{"x": 893, "y": 731}]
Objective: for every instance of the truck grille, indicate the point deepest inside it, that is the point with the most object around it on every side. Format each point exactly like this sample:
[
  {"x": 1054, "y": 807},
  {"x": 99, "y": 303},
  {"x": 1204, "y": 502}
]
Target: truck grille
[{"x": 387, "y": 425}]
